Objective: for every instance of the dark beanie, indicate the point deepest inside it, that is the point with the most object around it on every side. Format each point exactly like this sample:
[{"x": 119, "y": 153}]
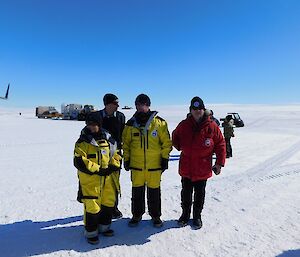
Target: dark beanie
[
  {"x": 109, "y": 98},
  {"x": 228, "y": 117},
  {"x": 143, "y": 99},
  {"x": 93, "y": 118},
  {"x": 197, "y": 103}
]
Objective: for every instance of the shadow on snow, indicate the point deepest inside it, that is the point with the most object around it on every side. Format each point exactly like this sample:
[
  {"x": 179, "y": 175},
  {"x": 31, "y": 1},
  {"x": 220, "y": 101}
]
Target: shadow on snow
[
  {"x": 290, "y": 253},
  {"x": 27, "y": 238}
]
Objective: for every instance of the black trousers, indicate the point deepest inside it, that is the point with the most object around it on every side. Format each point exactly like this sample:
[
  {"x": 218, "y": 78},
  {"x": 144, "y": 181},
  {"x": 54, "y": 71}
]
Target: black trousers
[
  {"x": 153, "y": 200},
  {"x": 188, "y": 187},
  {"x": 91, "y": 221},
  {"x": 103, "y": 217},
  {"x": 228, "y": 148}
]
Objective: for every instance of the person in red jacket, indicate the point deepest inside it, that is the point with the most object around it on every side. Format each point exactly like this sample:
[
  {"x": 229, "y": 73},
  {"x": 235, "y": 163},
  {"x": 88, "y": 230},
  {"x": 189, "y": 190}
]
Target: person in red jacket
[{"x": 198, "y": 138}]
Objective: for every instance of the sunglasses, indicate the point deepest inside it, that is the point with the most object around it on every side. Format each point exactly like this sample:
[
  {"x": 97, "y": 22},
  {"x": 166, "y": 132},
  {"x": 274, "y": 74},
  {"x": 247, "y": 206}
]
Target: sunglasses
[{"x": 195, "y": 108}]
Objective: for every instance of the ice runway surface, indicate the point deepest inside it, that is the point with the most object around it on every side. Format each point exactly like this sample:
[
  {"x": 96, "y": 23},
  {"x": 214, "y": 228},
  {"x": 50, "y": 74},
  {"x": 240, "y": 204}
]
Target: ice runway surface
[{"x": 251, "y": 209}]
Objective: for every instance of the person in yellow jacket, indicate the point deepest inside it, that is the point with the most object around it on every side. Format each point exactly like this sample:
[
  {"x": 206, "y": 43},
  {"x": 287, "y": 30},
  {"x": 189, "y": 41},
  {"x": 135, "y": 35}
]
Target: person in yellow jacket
[
  {"x": 146, "y": 149},
  {"x": 98, "y": 162}
]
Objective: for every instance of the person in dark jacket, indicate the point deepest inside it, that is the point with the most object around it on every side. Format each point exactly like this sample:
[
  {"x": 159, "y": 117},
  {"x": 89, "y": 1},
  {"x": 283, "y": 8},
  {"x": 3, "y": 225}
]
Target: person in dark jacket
[
  {"x": 212, "y": 117},
  {"x": 198, "y": 138},
  {"x": 113, "y": 121},
  {"x": 228, "y": 134}
]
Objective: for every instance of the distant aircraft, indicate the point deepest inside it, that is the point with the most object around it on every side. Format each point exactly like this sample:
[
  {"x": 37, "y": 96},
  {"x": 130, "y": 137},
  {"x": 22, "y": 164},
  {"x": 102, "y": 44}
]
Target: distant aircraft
[{"x": 6, "y": 95}]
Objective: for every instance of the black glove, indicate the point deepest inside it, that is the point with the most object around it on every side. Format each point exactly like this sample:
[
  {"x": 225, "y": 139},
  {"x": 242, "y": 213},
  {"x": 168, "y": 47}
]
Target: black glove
[
  {"x": 126, "y": 165},
  {"x": 109, "y": 170},
  {"x": 164, "y": 164}
]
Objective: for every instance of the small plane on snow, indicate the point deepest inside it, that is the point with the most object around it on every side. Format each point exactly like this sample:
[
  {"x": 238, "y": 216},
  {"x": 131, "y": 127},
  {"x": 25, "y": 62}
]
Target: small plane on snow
[{"x": 6, "y": 95}]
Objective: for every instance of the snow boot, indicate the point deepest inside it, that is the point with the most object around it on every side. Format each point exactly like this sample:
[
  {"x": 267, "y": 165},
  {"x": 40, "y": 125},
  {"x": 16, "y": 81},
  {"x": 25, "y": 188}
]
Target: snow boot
[
  {"x": 134, "y": 221},
  {"x": 93, "y": 240},
  {"x": 157, "y": 222},
  {"x": 108, "y": 233},
  {"x": 183, "y": 220},
  {"x": 92, "y": 236},
  {"x": 91, "y": 228},
  {"x": 197, "y": 223},
  {"x": 117, "y": 214},
  {"x": 105, "y": 230}
]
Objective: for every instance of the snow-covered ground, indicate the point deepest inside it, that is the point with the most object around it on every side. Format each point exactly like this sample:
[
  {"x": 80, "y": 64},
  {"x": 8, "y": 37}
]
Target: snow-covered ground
[{"x": 251, "y": 209}]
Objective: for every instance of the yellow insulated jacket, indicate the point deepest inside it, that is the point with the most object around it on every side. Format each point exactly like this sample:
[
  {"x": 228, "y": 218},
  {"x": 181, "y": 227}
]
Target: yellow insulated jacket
[
  {"x": 90, "y": 155},
  {"x": 145, "y": 145}
]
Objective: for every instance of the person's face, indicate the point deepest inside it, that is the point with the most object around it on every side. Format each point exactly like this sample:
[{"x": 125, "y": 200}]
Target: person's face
[
  {"x": 112, "y": 107},
  {"x": 142, "y": 107},
  {"x": 94, "y": 128},
  {"x": 197, "y": 113}
]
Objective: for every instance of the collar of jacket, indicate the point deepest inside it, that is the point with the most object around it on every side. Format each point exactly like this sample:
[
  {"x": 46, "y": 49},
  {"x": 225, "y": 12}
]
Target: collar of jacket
[
  {"x": 136, "y": 125},
  {"x": 198, "y": 126},
  {"x": 87, "y": 137},
  {"x": 104, "y": 114}
]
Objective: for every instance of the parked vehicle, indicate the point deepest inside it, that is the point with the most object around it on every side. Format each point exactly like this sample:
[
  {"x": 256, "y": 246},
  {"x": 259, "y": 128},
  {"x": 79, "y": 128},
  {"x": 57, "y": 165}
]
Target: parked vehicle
[
  {"x": 71, "y": 111},
  {"x": 47, "y": 112},
  {"x": 237, "y": 121},
  {"x": 126, "y": 107},
  {"x": 86, "y": 110}
]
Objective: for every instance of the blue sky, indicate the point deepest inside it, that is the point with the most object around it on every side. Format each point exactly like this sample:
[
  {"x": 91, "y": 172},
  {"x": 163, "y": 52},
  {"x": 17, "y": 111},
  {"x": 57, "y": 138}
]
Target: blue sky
[{"x": 226, "y": 51}]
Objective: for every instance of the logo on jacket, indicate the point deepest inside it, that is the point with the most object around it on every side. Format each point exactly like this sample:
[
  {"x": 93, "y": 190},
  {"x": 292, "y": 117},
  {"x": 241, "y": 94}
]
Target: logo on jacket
[
  {"x": 207, "y": 142},
  {"x": 154, "y": 133},
  {"x": 103, "y": 152}
]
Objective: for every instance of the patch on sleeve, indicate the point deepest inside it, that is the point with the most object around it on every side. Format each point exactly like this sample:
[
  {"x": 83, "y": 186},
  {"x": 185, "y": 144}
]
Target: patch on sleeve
[
  {"x": 154, "y": 133},
  {"x": 207, "y": 142}
]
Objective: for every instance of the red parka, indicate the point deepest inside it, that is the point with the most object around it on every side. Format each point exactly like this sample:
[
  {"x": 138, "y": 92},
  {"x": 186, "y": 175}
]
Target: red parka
[{"x": 197, "y": 143}]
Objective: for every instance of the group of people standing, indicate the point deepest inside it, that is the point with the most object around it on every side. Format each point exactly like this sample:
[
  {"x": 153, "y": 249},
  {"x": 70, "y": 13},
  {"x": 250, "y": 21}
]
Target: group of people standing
[{"x": 143, "y": 144}]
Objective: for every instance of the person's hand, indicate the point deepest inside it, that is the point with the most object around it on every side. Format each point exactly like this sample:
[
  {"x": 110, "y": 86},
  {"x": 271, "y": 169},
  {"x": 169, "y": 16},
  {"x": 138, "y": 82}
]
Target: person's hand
[
  {"x": 217, "y": 169},
  {"x": 126, "y": 165},
  {"x": 113, "y": 168},
  {"x": 164, "y": 164},
  {"x": 104, "y": 172},
  {"x": 109, "y": 170}
]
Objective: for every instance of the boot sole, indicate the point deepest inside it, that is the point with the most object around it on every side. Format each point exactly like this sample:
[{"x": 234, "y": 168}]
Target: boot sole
[
  {"x": 182, "y": 224},
  {"x": 195, "y": 227},
  {"x": 92, "y": 242},
  {"x": 117, "y": 217},
  {"x": 108, "y": 233},
  {"x": 158, "y": 225},
  {"x": 133, "y": 225}
]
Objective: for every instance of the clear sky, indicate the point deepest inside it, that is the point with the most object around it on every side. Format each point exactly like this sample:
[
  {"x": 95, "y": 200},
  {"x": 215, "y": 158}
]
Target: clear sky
[{"x": 226, "y": 51}]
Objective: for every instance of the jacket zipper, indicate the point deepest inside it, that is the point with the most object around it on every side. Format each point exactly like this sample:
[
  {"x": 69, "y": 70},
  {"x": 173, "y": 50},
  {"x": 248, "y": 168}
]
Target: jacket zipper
[
  {"x": 147, "y": 139},
  {"x": 144, "y": 152},
  {"x": 100, "y": 177},
  {"x": 99, "y": 157}
]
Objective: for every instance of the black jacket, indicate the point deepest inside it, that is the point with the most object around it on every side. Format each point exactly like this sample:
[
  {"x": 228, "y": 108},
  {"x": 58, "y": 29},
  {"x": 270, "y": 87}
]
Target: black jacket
[{"x": 113, "y": 124}]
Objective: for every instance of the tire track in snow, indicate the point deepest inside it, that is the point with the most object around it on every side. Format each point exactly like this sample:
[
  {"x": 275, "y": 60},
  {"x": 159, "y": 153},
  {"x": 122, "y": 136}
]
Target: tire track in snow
[
  {"x": 270, "y": 169},
  {"x": 274, "y": 162},
  {"x": 281, "y": 172},
  {"x": 258, "y": 122}
]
